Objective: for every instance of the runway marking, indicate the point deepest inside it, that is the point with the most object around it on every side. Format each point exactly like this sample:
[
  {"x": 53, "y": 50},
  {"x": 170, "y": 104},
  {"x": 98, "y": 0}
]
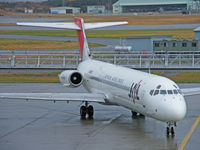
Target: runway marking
[
  {"x": 25, "y": 125},
  {"x": 187, "y": 137}
]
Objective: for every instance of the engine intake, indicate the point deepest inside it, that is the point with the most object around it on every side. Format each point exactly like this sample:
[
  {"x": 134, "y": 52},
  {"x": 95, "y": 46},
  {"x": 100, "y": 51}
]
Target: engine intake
[{"x": 71, "y": 78}]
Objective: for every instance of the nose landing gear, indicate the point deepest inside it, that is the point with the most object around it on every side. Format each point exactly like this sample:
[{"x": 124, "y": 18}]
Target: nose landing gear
[
  {"x": 87, "y": 110},
  {"x": 170, "y": 128}
]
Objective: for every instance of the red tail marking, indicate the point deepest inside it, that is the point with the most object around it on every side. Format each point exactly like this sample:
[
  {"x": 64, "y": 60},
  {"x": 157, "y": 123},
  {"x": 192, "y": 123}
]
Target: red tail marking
[{"x": 79, "y": 22}]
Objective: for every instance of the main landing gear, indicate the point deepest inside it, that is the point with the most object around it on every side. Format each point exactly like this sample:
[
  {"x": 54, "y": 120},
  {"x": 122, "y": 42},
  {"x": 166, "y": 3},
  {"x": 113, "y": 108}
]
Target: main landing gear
[
  {"x": 170, "y": 128},
  {"x": 87, "y": 110},
  {"x": 135, "y": 115}
]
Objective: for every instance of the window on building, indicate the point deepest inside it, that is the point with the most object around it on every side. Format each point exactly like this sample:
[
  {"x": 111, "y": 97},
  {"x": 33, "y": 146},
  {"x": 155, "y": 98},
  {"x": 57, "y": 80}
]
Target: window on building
[
  {"x": 184, "y": 44},
  {"x": 194, "y": 44},
  {"x": 165, "y": 44},
  {"x": 157, "y": 45},
  {"x": 174, "y": 44}
]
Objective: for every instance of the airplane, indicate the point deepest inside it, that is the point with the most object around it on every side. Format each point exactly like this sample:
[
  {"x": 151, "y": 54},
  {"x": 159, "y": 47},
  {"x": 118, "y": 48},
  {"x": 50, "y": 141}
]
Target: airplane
[{"x": 143, "y": 93}]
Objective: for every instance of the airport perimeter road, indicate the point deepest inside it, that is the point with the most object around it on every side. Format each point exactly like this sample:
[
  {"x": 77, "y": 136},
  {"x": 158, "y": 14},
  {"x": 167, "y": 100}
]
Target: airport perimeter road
[
  {"x": 15, "y": 19},
  {"x": 36, "y": 125}
]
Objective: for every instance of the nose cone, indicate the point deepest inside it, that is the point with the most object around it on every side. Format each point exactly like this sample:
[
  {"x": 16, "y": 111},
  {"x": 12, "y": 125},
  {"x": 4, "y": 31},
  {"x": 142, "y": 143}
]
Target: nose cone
[
  {"x": 178, "y": 109},
  {"x": 173, "y": 110}
]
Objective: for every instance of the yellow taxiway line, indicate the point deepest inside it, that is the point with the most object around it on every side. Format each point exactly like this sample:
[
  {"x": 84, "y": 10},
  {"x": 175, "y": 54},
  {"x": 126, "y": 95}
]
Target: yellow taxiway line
[{"x": 187, "y": 137}]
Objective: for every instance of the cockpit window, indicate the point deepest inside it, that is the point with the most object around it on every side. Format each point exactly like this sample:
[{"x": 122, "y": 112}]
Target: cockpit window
[
  {"x": 156, "y": 92},
  {"x": 180, "y": 92},
  {"x": 158, "y": 87},
  {"x": 175, "y": 91},
  {"x": 175, "y": 86},
  {"x": 163, "y": 92},
  {"x": 169, "y": 92},
  {"x": 151, "y": 92}
]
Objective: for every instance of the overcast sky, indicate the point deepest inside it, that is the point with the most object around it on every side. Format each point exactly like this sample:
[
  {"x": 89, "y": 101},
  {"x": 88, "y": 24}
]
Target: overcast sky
[{"x": 21, "y": 0}]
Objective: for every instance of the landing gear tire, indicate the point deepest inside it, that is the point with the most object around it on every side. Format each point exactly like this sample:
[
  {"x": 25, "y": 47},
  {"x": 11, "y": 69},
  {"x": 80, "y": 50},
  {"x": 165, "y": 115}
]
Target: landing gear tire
[
  {"x": 134, "y": 114},
  {"x": 86, "y": 110},
  {"x": 167, "y": 131},
  {"x": 142, "y": 116},
  {"x": 90, "y": 111},
  {"x": 83, "y": 111},
  {"x": 170, "y": 130}
]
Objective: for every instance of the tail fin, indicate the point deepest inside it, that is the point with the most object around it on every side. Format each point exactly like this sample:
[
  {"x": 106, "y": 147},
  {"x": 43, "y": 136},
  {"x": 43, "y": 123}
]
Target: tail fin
[
  {"x": 80, "y": 27},
  {"x": 84, "y": 50}
]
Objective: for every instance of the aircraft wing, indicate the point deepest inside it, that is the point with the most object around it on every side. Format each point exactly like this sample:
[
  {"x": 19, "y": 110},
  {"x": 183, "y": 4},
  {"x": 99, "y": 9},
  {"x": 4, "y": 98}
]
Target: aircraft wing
[
  {"x": 190, "y": 91},
  {"x": 90, "y": 97},
  {"x": 63, "y": 25},
  {"x": 72, "y": 26}
]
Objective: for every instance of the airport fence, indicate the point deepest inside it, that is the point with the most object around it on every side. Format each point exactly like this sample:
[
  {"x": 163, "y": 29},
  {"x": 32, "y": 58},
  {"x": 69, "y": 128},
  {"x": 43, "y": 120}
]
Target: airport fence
[{"x": 59, "y": 61}]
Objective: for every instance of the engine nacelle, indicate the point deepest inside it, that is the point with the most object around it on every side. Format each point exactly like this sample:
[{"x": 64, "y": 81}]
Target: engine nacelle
[{"x": 71, "y": 78}]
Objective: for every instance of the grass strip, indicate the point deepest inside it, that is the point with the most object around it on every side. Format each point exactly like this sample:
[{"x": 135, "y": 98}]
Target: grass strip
[
  {"x": 177, "y": 33},
  {"x": 52, "y": 77},
  {"x": 182, "y": 77},
  {"x": 39, "y": 44}
]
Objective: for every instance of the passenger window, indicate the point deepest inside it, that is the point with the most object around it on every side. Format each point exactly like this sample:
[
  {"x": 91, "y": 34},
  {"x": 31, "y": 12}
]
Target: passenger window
[
  {"x": 175, "y": 91},
  {"x": 169, "y": 92},
  {"x": 151, "y": 92},
  {"x": 163, "y": 92},
  {"x": 156, "y": 92}
]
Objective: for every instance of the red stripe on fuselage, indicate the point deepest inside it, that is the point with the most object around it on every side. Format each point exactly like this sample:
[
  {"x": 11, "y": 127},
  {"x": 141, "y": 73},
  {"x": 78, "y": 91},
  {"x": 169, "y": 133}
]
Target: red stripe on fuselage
[
  {"x": 79, "y": 22},
  {"x": 136, "y": 90}
]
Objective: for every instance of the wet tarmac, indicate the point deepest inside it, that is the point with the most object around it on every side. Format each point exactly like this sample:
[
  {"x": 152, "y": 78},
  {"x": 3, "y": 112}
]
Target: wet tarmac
[{"x": 36, "y": 125}]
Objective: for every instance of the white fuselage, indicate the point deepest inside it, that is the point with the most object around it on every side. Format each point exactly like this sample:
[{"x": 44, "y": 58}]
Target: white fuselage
[{"x": 150, "y": 95}]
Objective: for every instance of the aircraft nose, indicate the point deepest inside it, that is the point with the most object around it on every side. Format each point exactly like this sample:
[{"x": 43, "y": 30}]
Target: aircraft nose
[{"x": 179, "y": 109}]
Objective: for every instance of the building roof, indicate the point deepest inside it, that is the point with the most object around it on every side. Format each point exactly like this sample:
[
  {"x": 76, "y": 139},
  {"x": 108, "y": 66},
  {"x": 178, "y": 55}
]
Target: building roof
[
  {"x": 197, "y": 29},
  {"x": 149, "y": 2},
  {"x": 64, "y": 8},
  {"x": 151, "y": 37}
]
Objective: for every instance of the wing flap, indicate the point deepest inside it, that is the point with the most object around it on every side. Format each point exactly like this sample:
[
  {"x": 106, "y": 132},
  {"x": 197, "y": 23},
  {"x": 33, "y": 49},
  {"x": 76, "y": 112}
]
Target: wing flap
[
  {"x": 190, "y": 91},
  {"x": 90, "y": 97}
]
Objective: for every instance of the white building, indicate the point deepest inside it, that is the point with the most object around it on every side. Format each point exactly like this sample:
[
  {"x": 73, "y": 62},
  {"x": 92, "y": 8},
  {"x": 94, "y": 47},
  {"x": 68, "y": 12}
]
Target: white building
[
  {"x": 197, "y": 33},
  {"x": 65, "y": 10},
  {"x": 127, "y": 6},
  {"x": 28, "y": 11},
  {"x": 194, "y": 5},
  {"x": 96, "y": 9}
]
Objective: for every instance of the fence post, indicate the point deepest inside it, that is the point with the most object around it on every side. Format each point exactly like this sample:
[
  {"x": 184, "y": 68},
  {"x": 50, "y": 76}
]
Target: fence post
[
  {"x": 64, "y": 58},
  {"x": 166, "y": 60},
  {"x": 38, "y": 63}
]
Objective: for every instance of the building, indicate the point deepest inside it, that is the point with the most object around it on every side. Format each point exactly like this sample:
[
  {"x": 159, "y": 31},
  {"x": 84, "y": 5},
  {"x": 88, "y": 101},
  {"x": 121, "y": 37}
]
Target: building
[
  {"x": 128, "y": 6},
  {"x": 176, "y": 45},
  {"x": 197, "y": 33},
  {"x": 28, "y": 11},
  {"x": 65, "y": 10},
  {"x": 96, "y": 9},
  {"x": 144, "y": 43},
  {"x": 194, "y": 6}
]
